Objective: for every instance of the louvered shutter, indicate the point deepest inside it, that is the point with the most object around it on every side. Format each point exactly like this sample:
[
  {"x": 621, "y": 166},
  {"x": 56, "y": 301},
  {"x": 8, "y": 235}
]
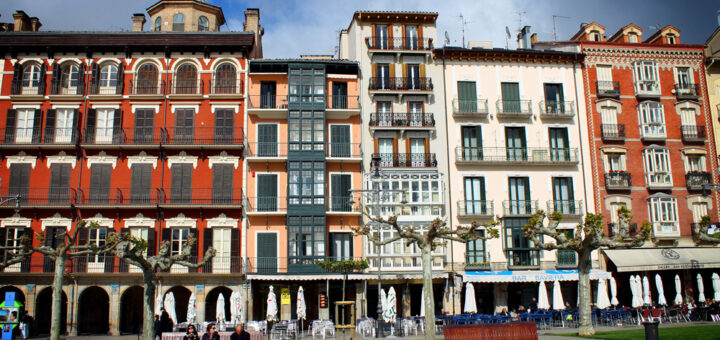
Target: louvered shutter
[
  {"x": 222, "y": 183},
  {"x": 59, "y": 183},
  {"x": 90, "y": 126},
  {"x": 55, "y": 79},
  {"x": 75, "y": 129},
  {"x": 180, "y": 190},
  {"x": 16, "y": 85},
  {"x": 140, "y": 183},
  {"x": 117, "y": 126},
  {"x": 10, "y": 124},
  {"x": 94, "y": 78},
  {"x": 120, "y": 79},
  {"x": 20, "y": 181},
  {"x": 152, "y": 242},
  {"x": 50, "y": 120},
  {"x": 37, "y": 126},
  {"x": 81, "y": 79},
  {"x": 122, "y": 265},
  {"x": 100, "y": 183},
  {"x": 81, "y": 261},
  {"x": 43, "y": 81},
  {"x": 194, "y": 250},
  {"x": 207, "y": 243},
  {"x": 235, "y": 261}
]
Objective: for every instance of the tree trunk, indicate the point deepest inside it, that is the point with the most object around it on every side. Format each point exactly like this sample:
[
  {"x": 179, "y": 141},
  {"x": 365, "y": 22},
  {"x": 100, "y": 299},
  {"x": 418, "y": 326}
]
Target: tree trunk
[
  {"x": 584, "y": 265},
  {"x": 57, "y": 294},
  {"x": 345, "y": 276},
  {"x": 429, "y": 298},
  {"x": 149, "y": 280}
]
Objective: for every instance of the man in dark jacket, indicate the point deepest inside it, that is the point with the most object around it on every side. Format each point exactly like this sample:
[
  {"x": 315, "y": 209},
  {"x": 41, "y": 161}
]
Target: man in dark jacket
[
  {"x": 166, "y": 325},
  {"x": 240, "y": 334},
  {"x": 158, "y": 327}
]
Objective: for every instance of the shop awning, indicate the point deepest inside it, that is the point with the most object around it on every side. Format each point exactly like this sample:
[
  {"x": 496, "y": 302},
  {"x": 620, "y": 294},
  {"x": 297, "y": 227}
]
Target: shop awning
[
  {"x": 529, "y": 275},
  {"x": 332, "y": 276},
  {"x": 639, "y": 259}
]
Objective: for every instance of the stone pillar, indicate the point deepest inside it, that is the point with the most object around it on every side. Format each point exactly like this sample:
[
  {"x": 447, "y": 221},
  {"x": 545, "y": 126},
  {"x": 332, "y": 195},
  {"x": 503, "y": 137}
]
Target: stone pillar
[
  {"x": 249, "y": 298},
  {"x": 199, "y": 291},
  {"x": 114, "y": 318},
  {"x": 457, "y": 306},
  {"x": 406, "y": 302},
  {"x": 360, "y": 300},
  {"x": 72, "y": 306},
  {"x": 501, "y": 296},
  {"x": 30, "y": 292}
]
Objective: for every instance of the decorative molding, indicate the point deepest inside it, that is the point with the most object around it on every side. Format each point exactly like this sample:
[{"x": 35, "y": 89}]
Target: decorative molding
[
  {"x": 33, "y": 106},
  {"x": 181, "y": 221},
  {"x": 155, "y": 106},
  {"x": 182, "y": 158},
  {"x": 115, "y": 106},
  {"x": 56, "y": 221},
  {"x": 195, "y": 106},
  {"x": 142, "y": 158},
  {"x": 61, "y": 158},
  {"x": 102, "y": 158},
  {"x": 222, "y": 221},
  {"x": 226, "y": 105},
  {"x": 101, "y": 220},
  {"x": 624, "y": 57},
  {"x": 21, "y": 158},
  {"x": 15, "y": 220},
  {"x": 59, "y": 105},
  {"x": 223, "y": 158},
  {"x": 139, "y": 221}
]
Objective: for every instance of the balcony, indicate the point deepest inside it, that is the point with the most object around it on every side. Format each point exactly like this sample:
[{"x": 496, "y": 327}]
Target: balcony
[
  {"x": 88, "y": 197},
  {"x": 390, "y": 84},
  {"x": 270, "y": 106},
  {"x": 647, "y": 88},
  {"x": 523, "y": 258},
  {"x": 225, "y": 197},
  {"x": 266, "y": 205},
  {"x": 188, "y": 87},
  {"x": 274, "y": 265},
  {"x": 207, "y": 137},
  {"x": 613, "y": 132},
  {"x": 66, "y": 91},
  {"x": 404, "y": 262},
  {"x": 40, "y": 197},
  {"x": 406, "y": 160},
  {"x": 342, "y": 103},
  {"x": 343, "y": 151},
  {"x": 147, "y": 88},
  {"x": 226, "y": 86},
  {"x": 666, "y": 229},
  {"x": 520, "y": 109},
  {"x": 475, "y": 108},
  {"x": 343, "y": 205},
  {"x": 477, "y": 260},
  {"x": 658, "y": 180},
  {"x": 52, "y": 138},
  {"x": 693, "y": 133},
  {"x": 476, "y": 208},
  {"x": 106, "y": 90},
  {"x": 399, "y": 44},
  {"x": 696, "y": 179},
  {"x": 567, "y": 208},
  {"x": 613, "y": 229},
  {"x": 266, "y": 151},
  {"x": 608, "y": 89},
  {"x": 618, "y": 180},
  {"x": 557, "y": 110},
  {"x": 652, "y": 132},
  {"x": 391, "y": 120},
  {"x": 686, "y": 91},
  {"x": 139, "y": 136},
  {"x": 566, "y": 258},
  {"x": 536, "y": 156},
  {"x": 520, "y": 208}
]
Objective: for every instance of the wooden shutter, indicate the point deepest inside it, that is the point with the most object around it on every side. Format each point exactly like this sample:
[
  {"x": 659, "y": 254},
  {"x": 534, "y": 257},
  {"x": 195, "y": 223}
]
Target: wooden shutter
[
  {"x": 81, "y": 79},
  {"x": 422, "y": 70},
  {"x": 117, "y": 126},
  {"x": 194, "y": 250},
  {"x": 37, "y": 126},
  {"x": 404, "y": 70},
  {"x": 235, "y": 261},
  {"x": 152, "y": 243},
  {"x": 50, "y": 120},
  {"x": 20, "y": 181},
  {"x": 59, "y": 183},
  {"x": 222, "y": 183},
  {"x": 81, "y": 261},
  {"x": 43, "y": 81},
  {"x": 374, "y": 42},
  {"x": 421, "y": 42},
  {"x": 122, "y": 265},
  {"x": 374, "y": 69},
  {"x": 391, "y": 43},
  {"x": 166, "y": 235},
  {"x": 16, "y": 85},
  {"x": 391, "y": 69},
  {"x": 90, "y": 126},
  {"x": 75, "y": 129},
  {"x": 180, "y": 183},
  {"x": 207, "y": 243},
  {"x": 10, "y": 124},
  {"x": 94, "y": 78},
  {"x": 140, "y": 183},
  {"x": 55, "y": 79},
  {"x": 120, "y": 79},
  {"x": 100, "y": 183}
]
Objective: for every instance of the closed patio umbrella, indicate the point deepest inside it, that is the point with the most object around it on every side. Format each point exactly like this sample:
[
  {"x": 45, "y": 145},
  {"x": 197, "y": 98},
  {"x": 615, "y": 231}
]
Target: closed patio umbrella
[
  {"x": 170, "y": 307},
  {"x": 543, "y": 302},
  {"x": 470, "y": 305},
  {"x": 220, "y": 309},
  {"x": 191, "y": 311},
  {"x": 383, "y": 302},
  {"x": 613, "y": 292},
  {"x": 701, "y": 289},
  {"x": 391, "y": 313},
  {"x": 158, "y": 304},
  {"x": 716, "y": 286},
  {"x": 422, "y": 302},
  {"x": 646, "y": 291},
  {"x": 301, "y": 309},
  {"x": 558, "y": 303},
  {"x": 272, "y": 307},
  {"x": 678, "y": 295},
  {"x": 602, "y": 297},
  {"x": 233, "y": 308},
  {"x": 661, "y": 290},
  {"x": 636, "y": 299}
]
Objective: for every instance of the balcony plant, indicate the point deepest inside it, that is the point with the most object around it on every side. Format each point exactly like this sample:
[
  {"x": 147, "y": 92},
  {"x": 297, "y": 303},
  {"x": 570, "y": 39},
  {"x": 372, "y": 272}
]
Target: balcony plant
[
  {"x": 701, "y": 232},
  {"x": 345, "y": 267},
  {"x": 477, "y": 265}
]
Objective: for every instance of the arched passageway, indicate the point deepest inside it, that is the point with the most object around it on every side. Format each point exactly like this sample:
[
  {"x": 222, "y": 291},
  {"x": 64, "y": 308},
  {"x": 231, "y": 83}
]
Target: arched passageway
[
  {"x": 93, "y": 311},
  {"x": 131, "y": 310},
  {"x": 182, "y": 296},
  {"x": 211, "y": 303},
  {"x": 43, "y": 312}
]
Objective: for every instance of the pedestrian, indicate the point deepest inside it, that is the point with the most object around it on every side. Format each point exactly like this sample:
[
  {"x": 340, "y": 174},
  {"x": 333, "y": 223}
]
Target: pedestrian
[
  {"x": 533, "y": 305},
  {"x": 166, "y": 324},
  {"x": 240, "y": 333},
  {"x": 191, "y": 334},
  {"x": 158, "y": 327},
  {"x": 212, "y": 333}
]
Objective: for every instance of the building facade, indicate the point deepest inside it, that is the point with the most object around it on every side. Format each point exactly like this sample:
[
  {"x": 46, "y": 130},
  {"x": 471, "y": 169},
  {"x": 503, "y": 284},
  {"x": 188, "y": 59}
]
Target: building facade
[{"x": 140, "y": 132}]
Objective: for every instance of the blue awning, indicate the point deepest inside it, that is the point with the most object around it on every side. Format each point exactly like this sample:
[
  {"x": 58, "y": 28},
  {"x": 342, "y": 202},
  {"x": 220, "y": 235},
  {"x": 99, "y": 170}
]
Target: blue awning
[{"x": 529, "y": 275}]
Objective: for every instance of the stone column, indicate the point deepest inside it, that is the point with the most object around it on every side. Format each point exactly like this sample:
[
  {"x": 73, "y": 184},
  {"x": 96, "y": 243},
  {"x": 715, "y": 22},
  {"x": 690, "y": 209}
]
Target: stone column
[
  {"x": 248, "y": 300},
  {"x": 199, "y": 291},
  {"x": 72, "y": 306},
  {"x": 30, "y": 292},
  {"x": 406, "y": 302},
  {"x": 458, "y": 295},
  {"x": 114, "y": 318},
  {"x": 501, "y": 296},
  {"x": 360, "y": 300}
]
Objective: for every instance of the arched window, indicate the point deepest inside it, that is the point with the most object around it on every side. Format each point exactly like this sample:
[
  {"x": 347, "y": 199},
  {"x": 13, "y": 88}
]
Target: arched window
[
  {"x": 179, "y": 22},
  {"x": 69, "y": 78},
  {"x": 670, "y": 39},
  {"x": 633, "y": 38},
  {"x": 108, "y": 76},
  {"x": 203, "y": 24},
  {"x": 225, "y": 79},
  {"x": 146, "y": 80},
  {"x": 31, "y": 78},
  {"x": 158, "y": 24},
  {"x": 186, "y": 79}
]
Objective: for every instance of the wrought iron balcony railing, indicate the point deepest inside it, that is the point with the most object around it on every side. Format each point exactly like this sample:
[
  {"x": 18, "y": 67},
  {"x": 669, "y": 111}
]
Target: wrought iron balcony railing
[
  {"x": 469, "y": 108},
  {"x": 696, "y": 179},
  {"x": 193, "y": 86},
  {"x": 399, "y": 43},
  {"x": 556, "y": 109},
  {"x": 402, "y": 119},
  {"x": 193, "y": 135},
  {"x": 693, "y": 133},
  {"x": 407, "y": 160},
  {"x": 343, "y": 150},
  {"x": 613, "y": 131},
  {"x": 548, "y": 156},
  {"x": 226, "y": 85},
  {"x": 266, "y": 204},
  {"x": 141, "y": 87},
  {"x": 686, "y": 91},
  {"x": 608, "y": 88},
  {"x": 514, "y": 108},
  {"x": 476, "y": 208},
  {"x": 34, "y": 196},
  {"x": 565, "y": 207},
  {"x": 268, "y": 102},
  {"x": 401, "y": 84},
  {"x": 520, "y": 207},
  {"x": 117, "y": 196},
  {"x": 618, "y": 180}
]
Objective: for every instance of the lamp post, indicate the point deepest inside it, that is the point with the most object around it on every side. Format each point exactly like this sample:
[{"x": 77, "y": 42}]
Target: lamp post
[
  {"x": 16, "y": 198},
  {"x": 376, "y": 194}
]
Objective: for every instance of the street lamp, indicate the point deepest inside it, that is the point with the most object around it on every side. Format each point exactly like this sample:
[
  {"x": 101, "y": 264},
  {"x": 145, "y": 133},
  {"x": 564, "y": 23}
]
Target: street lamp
[{"x": 16, "y": 198}]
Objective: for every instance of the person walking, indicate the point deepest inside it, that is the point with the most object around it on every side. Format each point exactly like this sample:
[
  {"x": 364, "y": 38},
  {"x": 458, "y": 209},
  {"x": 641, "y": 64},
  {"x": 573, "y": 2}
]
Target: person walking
[
  {"x": 240, "y": 333},
  {"x": 158, "y": 327}
]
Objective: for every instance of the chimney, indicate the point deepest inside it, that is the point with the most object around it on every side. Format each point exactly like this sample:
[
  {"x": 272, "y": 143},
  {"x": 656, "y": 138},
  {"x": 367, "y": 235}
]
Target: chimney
[
  {"x": 252, "y": 20},
  {"x": 138, "y": 20},
  {"x": 22, "y": 21},
  {"x": 524, "y": 38},
  {"x": 35, "y": 24}
]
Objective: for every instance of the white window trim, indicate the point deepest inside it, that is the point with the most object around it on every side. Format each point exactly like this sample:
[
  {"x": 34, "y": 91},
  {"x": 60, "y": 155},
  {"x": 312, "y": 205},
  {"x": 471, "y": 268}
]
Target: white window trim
[
  {"x": 155, "y": 107},
  {"x": 194, "y": 106},
  {"x": 222, "y": 221},
  {"x": 139, "y": 221},
  {"x": 329, "y": 130},
  {"x": 21, "y": 159},
  {"x": 142, "y": 159},
  {"x": 225, "y": 105},
  {"x": 15, "y": 221},
  {"x": 182, "y": 159},
  {"x": 72, "y": 106},
  {"x": 56, "y": 221},
  {"x": 181, "y": 221},
  {"x": 101, "y": 221},
  {"x": 656, "y": 202},
  {"x": 27, "y": 106},
  {"x": 223, "y": 158},
  {"x": 62, "y": 159},
  {"x": 101, "y": 159},
  {"x": 277, "y": 183},
  {"x": 648, "y": 173},
  {"x": 106, "y": 106}
]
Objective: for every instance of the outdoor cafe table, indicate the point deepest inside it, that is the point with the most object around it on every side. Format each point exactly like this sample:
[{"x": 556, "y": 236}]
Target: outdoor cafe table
[{"x": 181, "y": 335}]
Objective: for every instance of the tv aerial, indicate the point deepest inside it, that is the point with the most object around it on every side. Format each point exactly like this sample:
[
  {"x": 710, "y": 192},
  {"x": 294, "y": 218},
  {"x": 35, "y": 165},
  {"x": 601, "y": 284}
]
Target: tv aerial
[
  {"x": 507, "y": 37},
  {"x": 554, "y": 30},
  {"x": 447, "y": 38}
]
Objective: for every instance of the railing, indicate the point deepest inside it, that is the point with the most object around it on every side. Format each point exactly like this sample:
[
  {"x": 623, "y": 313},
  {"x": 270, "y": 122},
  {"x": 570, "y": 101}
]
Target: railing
[
  {"x": 476, "y": 208},
  {"x": 147, "y": 87},
  {"x": 33, "y": 196},
  {"x": 647, "y": 88},
  {"x": 21, "y": 136},
  {"x": 402, "y": 119},
  {"x": 66, "y": 91},
  {"x": 565, "y": 207},
  {"x": 523, "y": 257},
  {"x": 193, "y": 86},
  {"x": 696, "y": 179},
  {"x": 60, "y": 136},
  {"x": 519, "y": 208},
  {"x": 618, "y": 180},
  {"x": 404, "y": 261},
  {"x": 406, "y": 160},
  {"x": 106, "y": 90},
  {"x": 266, "y": 204},
  {"x": 666, "y": 228},
  {"x": 118, "y": 196},
  {"x": 343, "y": 150},
  {"x": 28, "y": 90},
  {"x": 343, "y": 102},
  {"x": 658, "y": 179},
  {"x": 400, "y": 43},
  {"x": 514, "y": 108},
  {"x": 343, "y": 204},
  {"x": 226, "y": 195},
  {"x": 401, "y": 83},
  {"x": 652, "y": 131},
  {"x": 608, "y": 88},
  {"x": 192, "y": 135},
  {"x": 477, "y": 260},
  {"x": 268, "y": 102},
  {"x": 566, "y": 258},
  {"x": 516, "y": 155},
  {"x": 93, "y": 264},
  {"x": 267, "y": 149},
  {"x": 222, "y": 264},
  {"x": 555, "y": 109},
  {"x": 693, "y": 133},
  {"x": 225, "y": 85},
  {"x": 274, "y": 265},
  {"x": 686, "y": 91},
  {"x": 470, "y": 108},
  {"x": 139, "y": 135},
  {"x": 613, "y": 229},
  {"x": 613, "y": 131}
]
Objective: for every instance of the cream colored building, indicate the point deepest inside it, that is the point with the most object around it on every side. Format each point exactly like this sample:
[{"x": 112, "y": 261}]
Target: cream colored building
[{"x": 712, "y": 73}]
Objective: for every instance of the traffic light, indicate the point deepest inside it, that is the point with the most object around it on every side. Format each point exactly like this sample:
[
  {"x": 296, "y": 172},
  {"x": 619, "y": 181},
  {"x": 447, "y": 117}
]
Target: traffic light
[{"x": 323, "y": 301}]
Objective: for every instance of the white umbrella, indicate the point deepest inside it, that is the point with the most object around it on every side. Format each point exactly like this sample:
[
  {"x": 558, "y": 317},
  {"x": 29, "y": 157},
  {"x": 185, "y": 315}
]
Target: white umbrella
[
  {"x": 701, "y": 289},
  {"x": 602, "y": 297},
  {"x": 233, "y": 307},
  {"x": 636, "y": 299},
  {"x": 301, "y": 306},
  {"x": 272, "y": 307},
  {"x": 613, "y": 292},
  {"x": 191, "y": 311},
  {"x": 470, "y": 305},
  {"x": 678, "y": 296},
  {"x": 646, "y": 291},
  {"x": 169, "y": 305},
  {"x": 158, "y": 304},
  {"x": 558, "y": 303},
  {"x": 543, "y": 302},
  {"x": 220, "y": 309},
  {"x": 661, "y": 290},
  {"x": 716, "y": 286},
  {"x": 383, "y": 303},
  {"x": 392, "y": 308},
  {"x": 422, "y": 302}
]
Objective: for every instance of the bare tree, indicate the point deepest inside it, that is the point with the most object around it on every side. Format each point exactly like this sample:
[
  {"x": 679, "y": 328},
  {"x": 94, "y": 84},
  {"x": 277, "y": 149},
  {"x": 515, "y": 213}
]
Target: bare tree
[
  {"x": 133, "y": 250},
  {"x": 700, "y": 232},
  {"x": 65, "y": 251},
  {"x": 437, "y": 235},
  {"x": 17, "y": 254},
  {"x": 588, "y": 236}
]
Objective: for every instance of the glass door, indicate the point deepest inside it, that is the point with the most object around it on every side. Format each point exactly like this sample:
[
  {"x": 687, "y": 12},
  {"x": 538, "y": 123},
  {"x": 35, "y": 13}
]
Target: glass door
[
  {"x": 411, "y": 37},
  {"x": 510, "y": 97},
  {"x": 475, "y": 196},
  {"x": 472, "y": 142},
  {"x": 559, "y": 150},
  {"x": 467, "y": 96},
  {"x": 416, "y": 114},
  {"x": 554, "y": 99},
  {"x": 519, "y": 196},
  {"x": 563, "y": 196},
  {"x": 515, "y": 143}
]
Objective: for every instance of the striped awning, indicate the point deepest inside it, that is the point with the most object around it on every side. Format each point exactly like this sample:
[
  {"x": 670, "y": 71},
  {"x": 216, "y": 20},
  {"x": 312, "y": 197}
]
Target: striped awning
[
  {"x": 333, "y": 276},
  {"x": 529, "y": 275}
]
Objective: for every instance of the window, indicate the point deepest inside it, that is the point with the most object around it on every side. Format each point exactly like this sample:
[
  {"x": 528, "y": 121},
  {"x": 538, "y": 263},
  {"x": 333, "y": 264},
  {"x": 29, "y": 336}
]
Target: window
[
  {"x": 186, "y": 79},
  {"x": 554, "y": 98},
  {"x": 144, "y": 126},
  {"x": 306, "y": 240},
  {"x": 69, "y": 75},
  {"x": 178, "y": 239},
  {"x": 475, "y": 251},
  {"x": 559, "y": 145},
  {"x": 306, "y": 183},
  {"x": 339, "y": 95},
  {"x": 307, "y": 85},
  {"x": 683, "y": 78},
  {"x": 146, "y": 81},
  {"x": 657, "y": 166},
  {"x": 59, "y": 183},
  {"x": 97, "y": 236},
  {"x": 181, "y": 183},
  {"x": 520, "y": 250},
  {"x": 100, "y": 183},
  {"x": 225, "y": 79},
  {"x": 158, "y": 24},
  {"x": 474, "y": 189},
  {"x": 694, "y": 163},
  {"x": 24, "y": 125},
  {"x": 222, "y": 242},
  {"x": 646, "y": 77},
  {"x": 423, "y": 195},
  {"x": 104, "y": 125},
  {"x": 416, "y": 114},
  {"x": 467, "y": 96},
  {"x": 471, "y": 142},
  {"x": 381, "y": 36},
  {"x": 699, "y": 210},
  {"x": 267, "y": 195},
  {"x": 632, "y": 38},
  {"x": 383, "y": 74},
  {"x": 19, "y": 181},
  {"x": 267, "y": 140},
  {"x": 203, "y": 24},
  {"x": 307, "y": 130},
  {"x": 614, "y": 207},
  {"x": 671, "y": 39},
  {"x": 108, "y": 78},
  {"x": 386, "y": 152},
  {"x": 614, "y": 161},
  {"x": 652, "y": 120},
  {"x": 140, "y": 184},
  {"x": 564, "y": 196},
  {"x": 31, "y": 79},
  {"x": 663, "y": 214},
  {"x": 64, "y": 125},
  {"x": 341, "y": 246},
  {"x": 515, "y": 143},
  {"x": 184, "y": 128},
  {"x": 224, "y": 126},
  {"x": 411, "y": 37},
  {"x": 510, "y": 97},
  {"x": 609, "y": 125},
  {"x": 222, "y": 190},
  {"x": 178, "y": 22},
  {"x": 400, "y": 255},
  {"x": 413, "y": 74},
  {"x": 340, "y": 141},
  {"x": 384, "y": 114},
  {"x": 11, "y": 237},
  {"x": 519, "y": 202},
  {"x": 594, "y": 36},
  {"x": 340, "y": 195},
  {"x": 141, "y": 233}
]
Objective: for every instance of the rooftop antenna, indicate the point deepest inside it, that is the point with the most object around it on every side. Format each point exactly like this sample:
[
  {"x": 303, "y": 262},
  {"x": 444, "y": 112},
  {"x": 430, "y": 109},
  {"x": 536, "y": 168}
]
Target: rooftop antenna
[
  {"x": 507, "y": 37},
  {"x": 463, "y": 22},
  {"x": 447, "y": 38},
  {"x": 520, "y": 16},
  {"x": 554, "y": 30},
  {"x": 657, "y": 27}
]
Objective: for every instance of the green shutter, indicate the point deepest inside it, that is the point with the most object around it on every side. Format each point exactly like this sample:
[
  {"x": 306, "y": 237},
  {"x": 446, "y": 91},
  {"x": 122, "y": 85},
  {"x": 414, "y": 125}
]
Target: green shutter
[{"x": 467, "y": 96}]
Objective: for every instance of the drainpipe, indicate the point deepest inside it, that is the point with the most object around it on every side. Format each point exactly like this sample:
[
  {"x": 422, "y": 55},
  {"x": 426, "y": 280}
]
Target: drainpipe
[
  {"x": 449, "y": 181},
  {"x": 73, "y": 324}
]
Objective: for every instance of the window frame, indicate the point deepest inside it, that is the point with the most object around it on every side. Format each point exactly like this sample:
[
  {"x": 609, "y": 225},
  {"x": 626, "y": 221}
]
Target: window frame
[
  {"x": 657, "y": 208},
  {"x": 106, "y": 83},
  {"x": 652, "y": 119},
  {"x": 656, "y": 163},
  {"x": 203, "y": 27},
  {"x": 31, "y": 78}
]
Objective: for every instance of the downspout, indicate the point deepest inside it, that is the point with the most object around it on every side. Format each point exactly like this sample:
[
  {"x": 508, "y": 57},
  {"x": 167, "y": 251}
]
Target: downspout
[
  {"x": 73, "y": 324},
  {"x": 449, "y": 182},
  {"x": 582, "y": 156}
]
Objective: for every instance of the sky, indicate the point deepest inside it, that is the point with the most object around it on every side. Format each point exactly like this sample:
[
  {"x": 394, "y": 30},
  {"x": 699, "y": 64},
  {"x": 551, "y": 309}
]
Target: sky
[{"x": 301, "y": 27}]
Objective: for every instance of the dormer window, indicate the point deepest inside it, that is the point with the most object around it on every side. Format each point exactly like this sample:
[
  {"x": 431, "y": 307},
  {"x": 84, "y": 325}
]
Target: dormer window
[
  {"x": 594, "y": 36},
  {"x": 158, "y": 24},
  {"x": 633, "y": 38},
  {"x": 203, "y": 24},
  {"x": 179, "y": 22},
  {"x": 671, "y": 39}
]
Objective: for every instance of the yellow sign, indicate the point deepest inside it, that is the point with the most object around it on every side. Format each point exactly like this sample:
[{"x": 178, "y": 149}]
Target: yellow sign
[{"x": 285, "y": 296}]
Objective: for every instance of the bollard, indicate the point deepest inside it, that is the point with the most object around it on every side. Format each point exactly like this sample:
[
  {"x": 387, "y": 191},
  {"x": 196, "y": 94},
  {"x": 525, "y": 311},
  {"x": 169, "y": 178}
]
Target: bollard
[{"x": 651, "y": 330}]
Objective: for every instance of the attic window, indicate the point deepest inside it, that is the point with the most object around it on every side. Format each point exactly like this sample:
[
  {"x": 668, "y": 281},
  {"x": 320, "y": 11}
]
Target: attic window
[
  {"x": 632, "y": 38},
  {"x": 670, "y": 39},
  {"x": 594, "y": 36},
  {"x": 179, "y": 22}
]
